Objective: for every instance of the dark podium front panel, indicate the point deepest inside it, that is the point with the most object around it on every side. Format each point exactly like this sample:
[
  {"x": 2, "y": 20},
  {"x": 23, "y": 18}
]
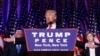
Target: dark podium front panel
[{"x": 51, "y": 53}]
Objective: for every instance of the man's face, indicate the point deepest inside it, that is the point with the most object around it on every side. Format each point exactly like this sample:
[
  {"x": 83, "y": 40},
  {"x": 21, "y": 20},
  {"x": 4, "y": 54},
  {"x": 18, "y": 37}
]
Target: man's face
[
  {"x": 18, "y": 34},
  {"x": 90, "y": 37},
  {"x": 50, "y": 17}
]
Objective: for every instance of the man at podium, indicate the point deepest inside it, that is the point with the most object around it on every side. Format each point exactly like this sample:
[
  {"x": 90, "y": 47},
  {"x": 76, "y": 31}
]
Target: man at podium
[{"x": 51, "y": 19}]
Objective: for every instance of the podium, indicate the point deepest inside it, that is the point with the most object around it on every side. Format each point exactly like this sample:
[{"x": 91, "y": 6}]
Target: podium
[
  {"x": 51, "y": 42},
  {"x": 51, "y": 53}
]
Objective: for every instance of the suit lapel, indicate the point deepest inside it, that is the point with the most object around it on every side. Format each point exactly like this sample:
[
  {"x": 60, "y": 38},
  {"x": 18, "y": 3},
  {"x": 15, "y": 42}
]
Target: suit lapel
[
  {"x": 87, "y": 52},
  {"x": 96, "y": 50},
  {"x": 21, "y": 50},
  {"x": 14, "y": 48}
]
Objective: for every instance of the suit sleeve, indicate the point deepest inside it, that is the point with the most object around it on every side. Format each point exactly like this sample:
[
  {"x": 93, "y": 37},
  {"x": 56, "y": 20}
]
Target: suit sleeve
[
  {"x": 1, "y": 52},
  {"x": 98, "y": 44},
  {"x": 80, "y": 44},
  {"x": 20, "y": 41},
  {"x": 6, "y": 49}
]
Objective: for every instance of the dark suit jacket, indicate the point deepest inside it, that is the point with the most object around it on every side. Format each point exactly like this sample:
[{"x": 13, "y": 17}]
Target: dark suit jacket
[
  {"x": 1, "y": 52},
  {"x": 86, "y": 51},
  {"x": 10, "y": 50}
]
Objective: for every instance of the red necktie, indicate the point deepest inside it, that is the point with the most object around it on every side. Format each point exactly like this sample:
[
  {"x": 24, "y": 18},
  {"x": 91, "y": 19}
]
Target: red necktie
[{"x": 50, "y": 26}]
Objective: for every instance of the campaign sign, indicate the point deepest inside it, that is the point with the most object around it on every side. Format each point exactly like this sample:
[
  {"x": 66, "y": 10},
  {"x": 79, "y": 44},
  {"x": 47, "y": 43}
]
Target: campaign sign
[{"x": 50, "y": 39}]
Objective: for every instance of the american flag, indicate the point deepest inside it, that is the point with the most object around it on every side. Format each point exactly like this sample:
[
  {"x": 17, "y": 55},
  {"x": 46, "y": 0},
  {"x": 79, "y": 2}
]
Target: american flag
[
  {"x": 49, "y": 4},
  {"x": 97, "y": 21},
  {"x": 93, "y": 23},
  {"x": 96, "y": 33},
  {"x": 72, "y": 14},
  {"x": 42, "y": 9},
  {"x": 97, "y": 25},
  {"x": 12, "y": 19},
  {"x": 73, "y": 19},
  {"x": 66, "y": 13},
  {"x": 81, "y": 15},
  {"x": 65, "y": 18},
  {"x": 91, "y": 20},
  {"x": 1, "y": 20},
  {"x": 37, "y": 12},
  {"x": 1, "y": 27},
  {"x": 23, "y": 14},
  {"x": 31, "y": 20},
  {"x": 59, "y": 9}
]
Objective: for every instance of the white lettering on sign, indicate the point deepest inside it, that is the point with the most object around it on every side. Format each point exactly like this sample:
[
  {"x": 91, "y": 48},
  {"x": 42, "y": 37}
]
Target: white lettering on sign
[
  {"x": 41, "y": 34},
  {"x": 51, "y": 34},
  {"x": 44, "y": 40},
  {"x": 60, "y": 34},
  {"x": 50, "y": 40},
  {"x": 58, "y": 40},
  {"x": 67, "y": 34},
  {"x": 51, "y": 37},
  {"x": 36, "y": 40},
  {"x": 34, "y": 34}
]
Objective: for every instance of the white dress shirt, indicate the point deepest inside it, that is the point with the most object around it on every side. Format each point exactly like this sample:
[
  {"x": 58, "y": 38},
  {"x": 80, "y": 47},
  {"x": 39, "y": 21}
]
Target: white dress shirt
[
  {"x": 18, "y": 47},
  {"x": 53, "y": 26},
  {"x": 92, "y": 51},
  {"x": 18, "y": 44}
]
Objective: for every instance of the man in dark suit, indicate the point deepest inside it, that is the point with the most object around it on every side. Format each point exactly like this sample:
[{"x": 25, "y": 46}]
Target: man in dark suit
[
  {"x": 91, "y": 51},
  {"x": 12, "y": 49}
]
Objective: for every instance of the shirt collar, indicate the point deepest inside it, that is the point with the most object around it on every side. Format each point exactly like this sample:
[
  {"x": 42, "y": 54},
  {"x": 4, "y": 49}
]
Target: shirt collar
[{"x": 53, "y": 26}]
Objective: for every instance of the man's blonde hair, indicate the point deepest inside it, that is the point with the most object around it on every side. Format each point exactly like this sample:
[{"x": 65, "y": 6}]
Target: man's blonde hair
[
  {"x": 51, "y": 11},
  {"x": 88, "y": 32}
]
